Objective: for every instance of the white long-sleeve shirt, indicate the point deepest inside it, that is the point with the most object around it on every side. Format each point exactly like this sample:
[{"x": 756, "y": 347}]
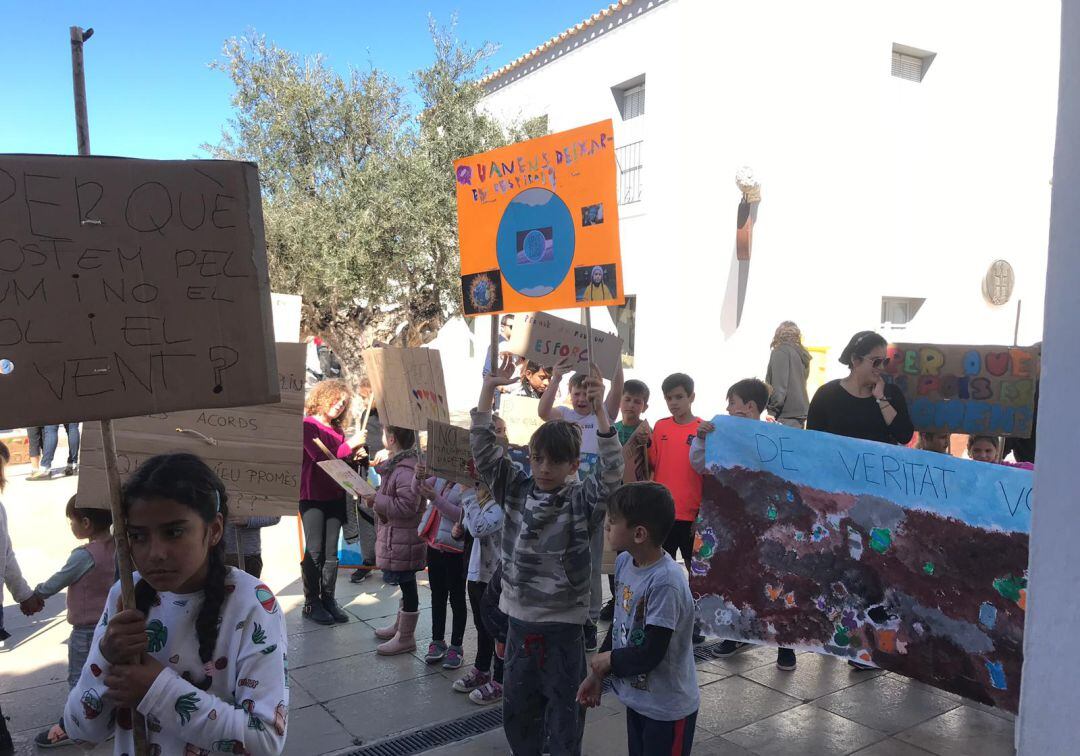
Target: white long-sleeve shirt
[
  {"x": 246, "y": 707},
  {"x": 9, "y": 566},
  {"x": 485, "y": 523}
]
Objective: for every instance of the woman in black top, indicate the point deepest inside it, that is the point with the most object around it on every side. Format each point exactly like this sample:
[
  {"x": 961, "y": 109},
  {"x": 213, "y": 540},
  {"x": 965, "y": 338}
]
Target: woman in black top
[{"x": 862, "y": 405}]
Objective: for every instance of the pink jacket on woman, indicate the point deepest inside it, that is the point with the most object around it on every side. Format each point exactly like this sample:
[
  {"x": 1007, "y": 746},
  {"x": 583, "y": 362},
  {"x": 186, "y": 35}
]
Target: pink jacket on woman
[{"x": 398, "y": 509}]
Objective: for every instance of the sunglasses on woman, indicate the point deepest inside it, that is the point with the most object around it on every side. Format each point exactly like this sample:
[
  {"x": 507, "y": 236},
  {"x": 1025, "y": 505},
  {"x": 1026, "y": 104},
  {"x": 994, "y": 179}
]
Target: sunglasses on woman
[{"x": 879, "y": 362}]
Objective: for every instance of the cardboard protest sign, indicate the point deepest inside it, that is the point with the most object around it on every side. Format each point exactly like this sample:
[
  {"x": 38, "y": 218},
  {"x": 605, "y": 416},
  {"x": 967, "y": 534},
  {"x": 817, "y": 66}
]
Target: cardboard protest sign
[
  {"x": 346, "y": 477},
  {"x": 538, "y": 224},
  {"x": 967, "y": 389},
  {"x": 408, "y": 386},
  {"x": 131, "y": 287},
  {"x": 909, "y": 560},
  {"x": 522, "y": 417},
  {"x": 256, "y": 451},
  {"x": 449, "y": 455},
  {"x": 546, "y": 339}
]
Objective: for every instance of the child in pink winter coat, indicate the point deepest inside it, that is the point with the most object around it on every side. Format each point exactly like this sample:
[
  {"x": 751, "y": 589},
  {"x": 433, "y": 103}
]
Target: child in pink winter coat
[{"x": 399, "y": 550}]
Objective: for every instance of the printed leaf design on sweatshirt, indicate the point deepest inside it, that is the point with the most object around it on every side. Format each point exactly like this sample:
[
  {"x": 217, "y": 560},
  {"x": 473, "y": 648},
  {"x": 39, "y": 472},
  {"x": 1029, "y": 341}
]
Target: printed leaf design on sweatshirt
[
  {"x": 157, "y": 635},
  {"x": 230, "y": 746},
  {"x": 269, "y": 649},
  {"x": 105, "y": 618},
  {"x": 185, "y": 706},
  {"x": 259, "y": 635}
]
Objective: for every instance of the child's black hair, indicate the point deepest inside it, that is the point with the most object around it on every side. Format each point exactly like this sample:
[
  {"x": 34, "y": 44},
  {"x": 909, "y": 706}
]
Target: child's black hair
[
  {"x": 5, "y": 457},
  {"x": 187, "y": 480},
  {"x": 647, "y": 504},
  {"x": 677, "y": 380},
  {"x": 751, "y": 390},
  {"x": 861, "y": 344},
  {"x": 406, "y": 438},
  {"x": 100, "y": 519},
  {"x": 634, "y": 387},
  {"x": 557, "y": 439}
]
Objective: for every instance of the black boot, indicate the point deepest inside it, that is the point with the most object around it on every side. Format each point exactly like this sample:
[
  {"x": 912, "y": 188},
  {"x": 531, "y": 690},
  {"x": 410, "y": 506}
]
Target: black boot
[
  {"x": 7, "y": 748},
  {"x": 313, "y": 607},
  {"x": 329, "y": 583}
]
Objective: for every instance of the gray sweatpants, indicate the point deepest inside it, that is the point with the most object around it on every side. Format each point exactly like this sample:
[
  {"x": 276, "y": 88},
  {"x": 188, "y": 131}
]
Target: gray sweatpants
[{"x": 545, "y": 664}]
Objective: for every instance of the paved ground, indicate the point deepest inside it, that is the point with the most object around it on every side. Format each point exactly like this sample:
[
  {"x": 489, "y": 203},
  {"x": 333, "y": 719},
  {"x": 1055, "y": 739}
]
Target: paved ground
[{"x": 344, "y": 696}]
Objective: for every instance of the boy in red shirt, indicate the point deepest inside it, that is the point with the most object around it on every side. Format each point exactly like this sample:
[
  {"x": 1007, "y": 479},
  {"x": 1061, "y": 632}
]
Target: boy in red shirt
[{"x": 669, "y": 457}]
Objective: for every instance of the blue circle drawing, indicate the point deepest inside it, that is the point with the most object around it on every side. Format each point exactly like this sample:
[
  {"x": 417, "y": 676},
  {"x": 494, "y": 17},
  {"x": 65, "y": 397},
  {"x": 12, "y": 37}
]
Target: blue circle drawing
[
  {"x": 535, "y": 242},
  {"x": 6, "y": 367}
]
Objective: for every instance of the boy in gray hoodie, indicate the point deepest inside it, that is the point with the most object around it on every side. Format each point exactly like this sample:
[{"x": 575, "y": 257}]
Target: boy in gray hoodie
[{"x": 549, "y": 520}]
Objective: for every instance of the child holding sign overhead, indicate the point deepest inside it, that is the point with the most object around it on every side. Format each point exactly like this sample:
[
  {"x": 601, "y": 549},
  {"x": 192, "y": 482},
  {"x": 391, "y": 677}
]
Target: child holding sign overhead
[
  {"x": 550, "y": 518},
  {"x": 585, "y": 415}
]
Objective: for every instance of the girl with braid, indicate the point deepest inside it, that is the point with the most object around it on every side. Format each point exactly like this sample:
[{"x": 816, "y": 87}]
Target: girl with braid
[{"x": 202, "y": 658}]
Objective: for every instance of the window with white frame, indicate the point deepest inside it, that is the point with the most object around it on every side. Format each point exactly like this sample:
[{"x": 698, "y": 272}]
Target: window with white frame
[
  {"x": 897, "y": 312},
  {"x": 910, "y": 63},
  {"x": 633, "y": 102}
]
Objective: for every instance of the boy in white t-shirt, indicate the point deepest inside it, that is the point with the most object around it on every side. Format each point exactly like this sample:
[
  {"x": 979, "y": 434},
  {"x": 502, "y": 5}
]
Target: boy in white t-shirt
[
  {"x": 580, "y": 413},
  {"x": 649, "y": 650}
]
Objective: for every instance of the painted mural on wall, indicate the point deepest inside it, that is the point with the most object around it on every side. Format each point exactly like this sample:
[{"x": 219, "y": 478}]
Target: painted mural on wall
[{"x": 912, "y": 561}]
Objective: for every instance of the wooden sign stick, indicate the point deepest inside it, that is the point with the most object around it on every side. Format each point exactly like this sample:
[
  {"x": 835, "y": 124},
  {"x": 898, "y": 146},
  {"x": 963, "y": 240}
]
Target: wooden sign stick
[
  {"x": 367, "y": 411},
  {"x": 108, "y": 438},
  {"x": 323, "y": 449}
]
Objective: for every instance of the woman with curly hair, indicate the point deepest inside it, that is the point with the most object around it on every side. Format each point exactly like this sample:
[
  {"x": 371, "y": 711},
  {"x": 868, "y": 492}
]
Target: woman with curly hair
[
  {"x": 788, "y": 371},
  {"x": 322, "y": 501}
]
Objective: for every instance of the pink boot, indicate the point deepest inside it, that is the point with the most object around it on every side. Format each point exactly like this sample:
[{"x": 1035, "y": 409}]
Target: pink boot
[
  {"x": 404, "y": 641},
  {"x": 386, "y": 633}
]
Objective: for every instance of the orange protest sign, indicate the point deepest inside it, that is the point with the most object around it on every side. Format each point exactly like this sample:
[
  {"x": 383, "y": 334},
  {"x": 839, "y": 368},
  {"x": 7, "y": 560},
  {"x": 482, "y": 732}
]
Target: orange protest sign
[{"x": 538, "y": 224}]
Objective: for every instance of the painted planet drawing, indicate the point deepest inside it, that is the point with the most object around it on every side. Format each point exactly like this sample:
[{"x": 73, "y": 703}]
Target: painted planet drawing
[
  {"x": 6, "y": 367},
  {"x": 535, "y": 242}
]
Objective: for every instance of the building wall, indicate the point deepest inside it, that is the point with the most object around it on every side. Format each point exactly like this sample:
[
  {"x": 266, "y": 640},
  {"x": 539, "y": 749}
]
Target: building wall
[{"x": 871, "y": 185}]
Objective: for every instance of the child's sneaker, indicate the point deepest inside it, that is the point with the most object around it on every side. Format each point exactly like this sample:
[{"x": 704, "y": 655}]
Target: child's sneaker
[
  {"x": 453, "y": 658},
  {"x": 488, "y": 693},
  {"x": 471, "y": 681},
  {"x": 727, "y": 648},
  {"x": 785, "y": 659},
  {"x": 436, "y": 652}
]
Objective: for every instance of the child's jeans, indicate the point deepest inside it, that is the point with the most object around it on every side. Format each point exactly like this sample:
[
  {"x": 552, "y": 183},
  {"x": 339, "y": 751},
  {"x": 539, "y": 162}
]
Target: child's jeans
[
  {"x": 82, "y": 636},
  {"x": 545, "y": 664},
  {"x": 645, "y": 736}
]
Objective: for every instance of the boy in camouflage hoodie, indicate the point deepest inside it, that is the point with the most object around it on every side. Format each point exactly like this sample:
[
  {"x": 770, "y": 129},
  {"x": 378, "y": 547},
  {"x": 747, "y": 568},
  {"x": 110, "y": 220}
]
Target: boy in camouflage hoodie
[{"x": 549, "y": 520}]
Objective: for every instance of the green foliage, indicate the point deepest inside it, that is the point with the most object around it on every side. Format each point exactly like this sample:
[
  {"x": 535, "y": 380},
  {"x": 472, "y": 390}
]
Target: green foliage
[{"x": 358, "y": 189}]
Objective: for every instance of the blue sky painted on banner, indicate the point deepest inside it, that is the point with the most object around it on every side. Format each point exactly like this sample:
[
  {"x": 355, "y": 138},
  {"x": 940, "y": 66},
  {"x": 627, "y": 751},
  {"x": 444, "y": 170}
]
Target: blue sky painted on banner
[{"x": 978, "y": 493}]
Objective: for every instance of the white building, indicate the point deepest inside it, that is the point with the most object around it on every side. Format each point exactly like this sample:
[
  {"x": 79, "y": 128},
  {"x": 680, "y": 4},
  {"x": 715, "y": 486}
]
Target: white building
[{"x": 901, "y": 149}]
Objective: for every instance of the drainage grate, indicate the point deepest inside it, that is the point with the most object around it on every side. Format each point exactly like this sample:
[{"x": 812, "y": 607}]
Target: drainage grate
[
  {"x": 704, "y": 652},
  {"x": 435, "y": 736},
  {"x": 425, "y": 739}
]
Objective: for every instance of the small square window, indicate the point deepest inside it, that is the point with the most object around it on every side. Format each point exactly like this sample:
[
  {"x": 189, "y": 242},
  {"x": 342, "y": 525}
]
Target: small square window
[{"x": 910, "y": 63}]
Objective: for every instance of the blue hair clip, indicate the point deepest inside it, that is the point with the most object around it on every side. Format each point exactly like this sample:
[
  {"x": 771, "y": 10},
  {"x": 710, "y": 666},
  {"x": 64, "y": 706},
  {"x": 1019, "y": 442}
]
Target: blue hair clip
[{"x": 217, "y": 501}]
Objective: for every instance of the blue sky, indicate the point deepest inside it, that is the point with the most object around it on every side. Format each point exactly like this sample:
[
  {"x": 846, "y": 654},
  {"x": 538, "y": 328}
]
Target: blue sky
[{"x": 150, "y": 91}]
